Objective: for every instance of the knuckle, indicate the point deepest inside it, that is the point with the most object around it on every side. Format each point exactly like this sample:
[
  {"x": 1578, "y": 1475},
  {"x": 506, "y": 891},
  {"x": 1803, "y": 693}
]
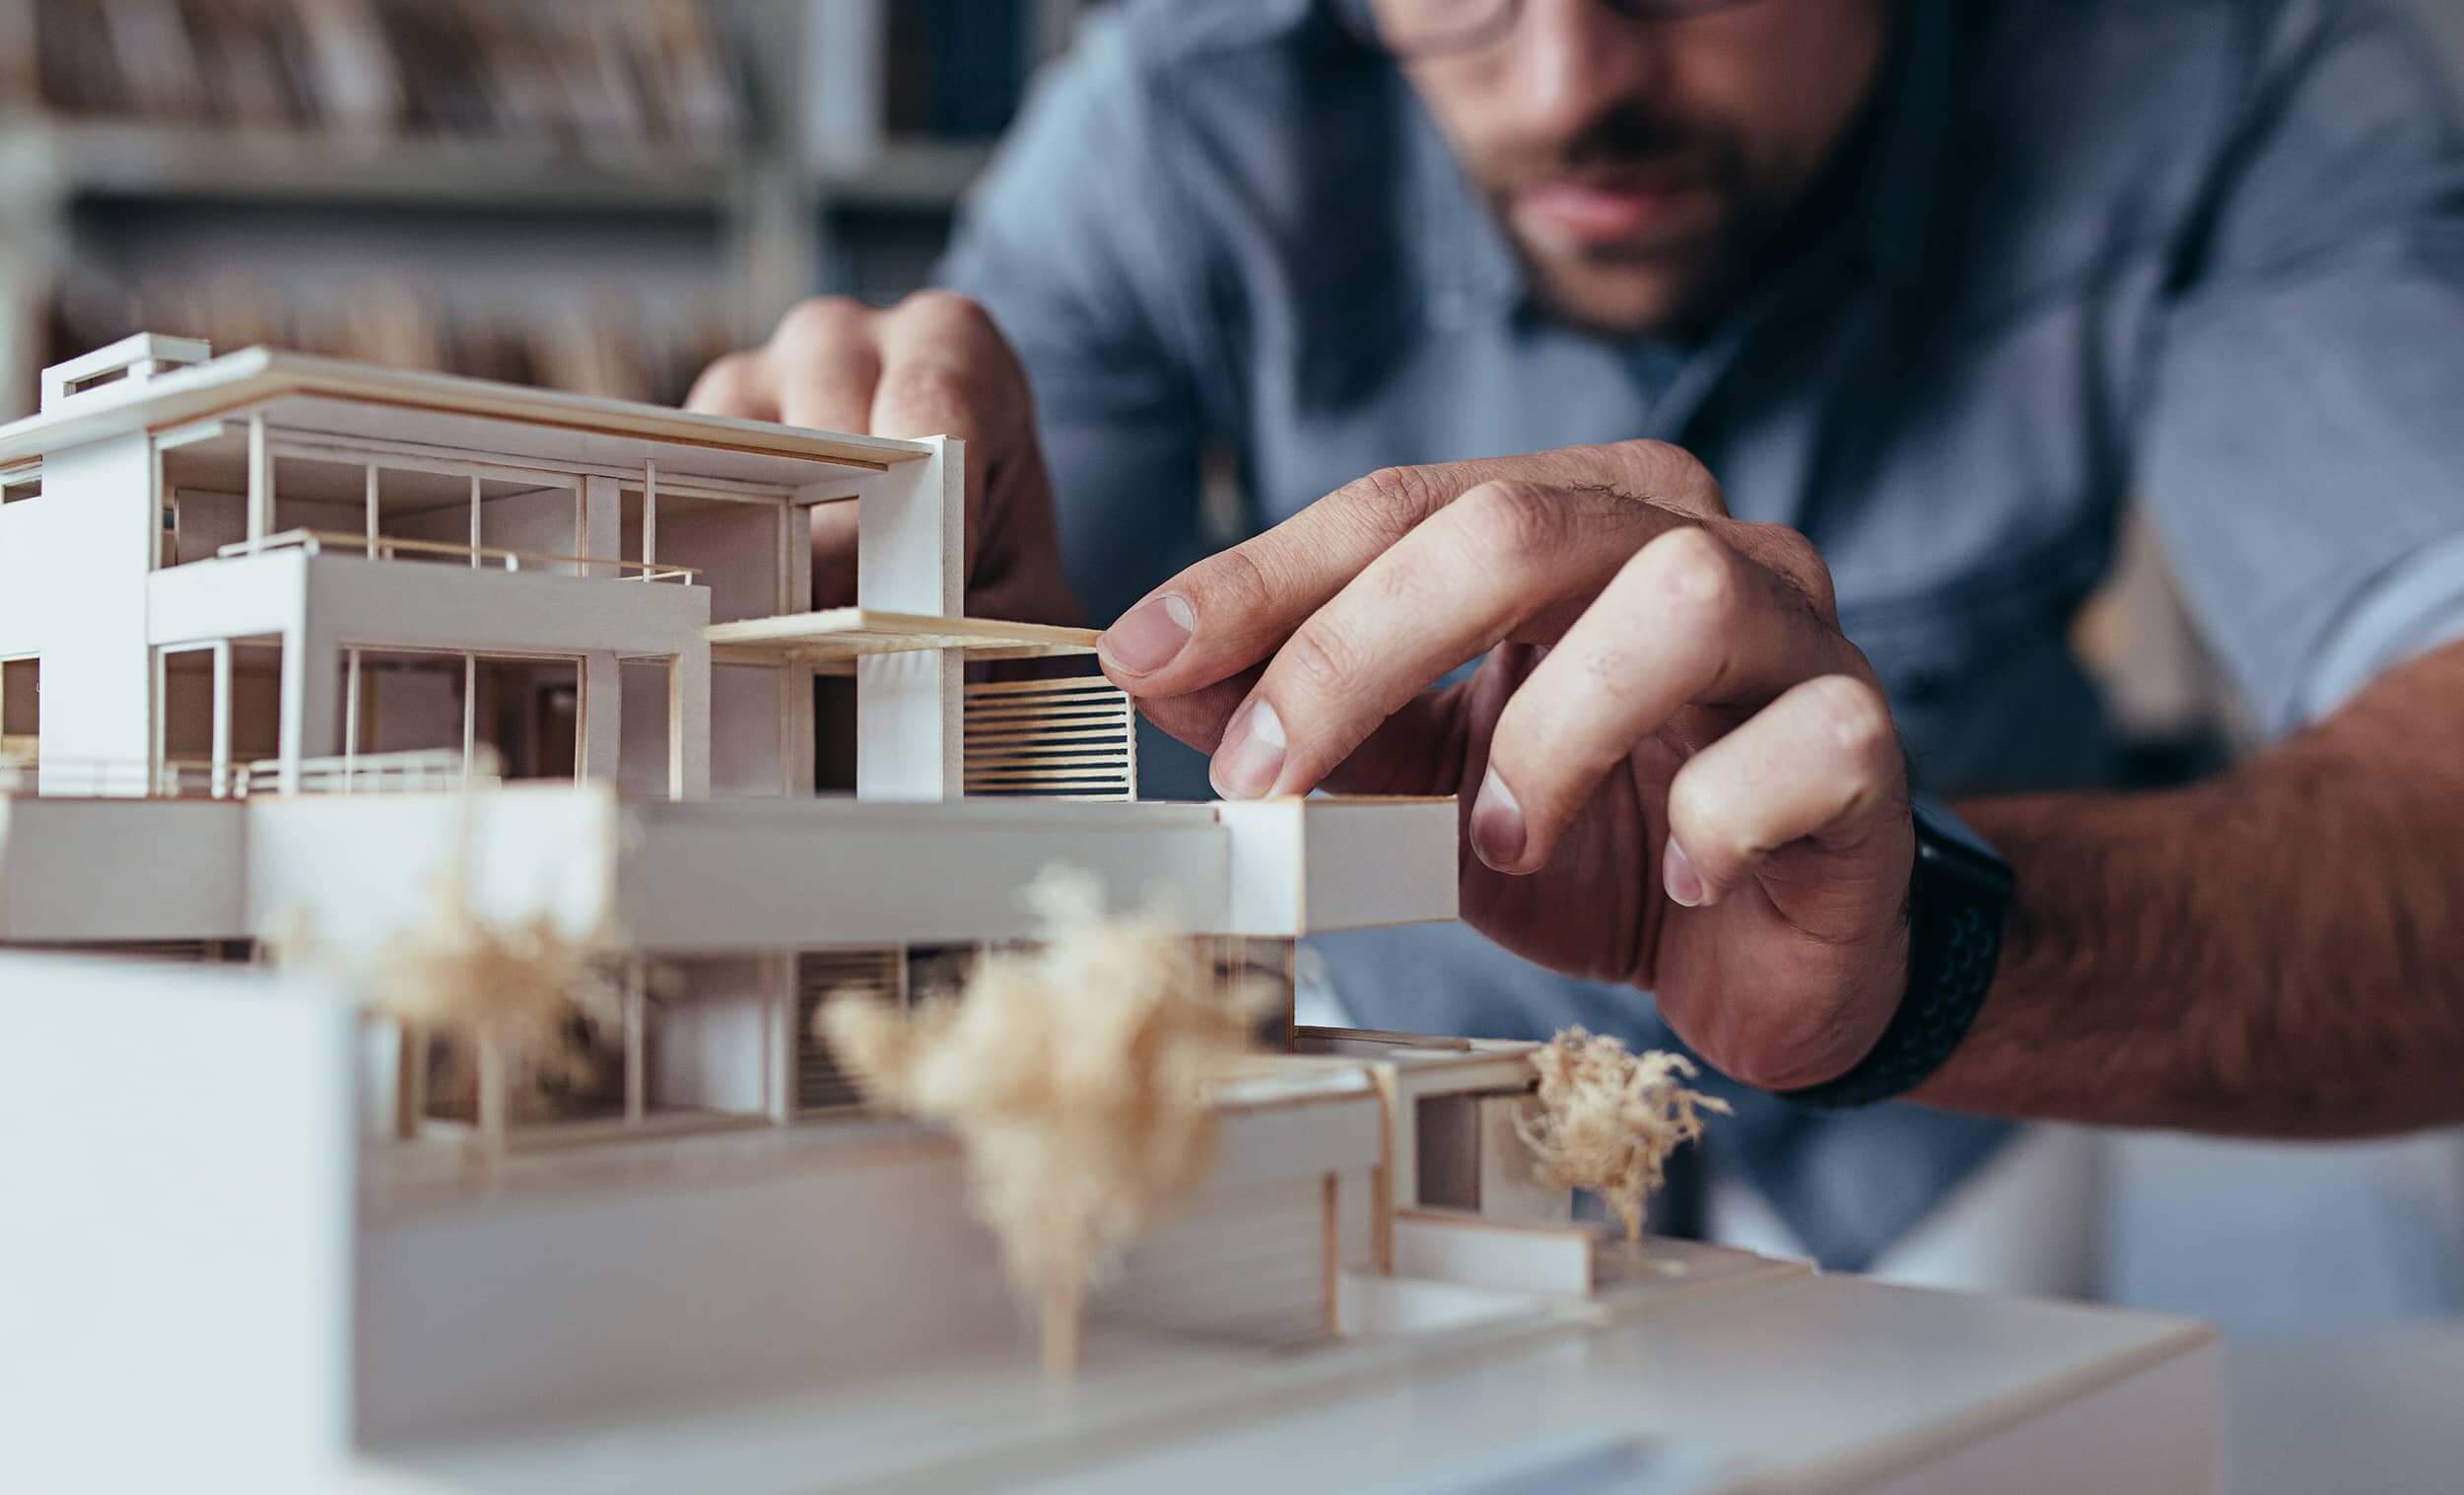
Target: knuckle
[
  {"x": 1390, "y": 502},
  {"x": 935, "y": 304},
  {"x": 1700, "y": 808},
  {"x": 925, "y": 383},
  {"x": 820, "y": 321},
  {"x": 1510, "y": 519},
  {"x": 728, "y": 380},
  {"x": 1855, "y": 715},
  {"x": 1234, "y": 583},
  {"x": 1667, "y": 472},
  {"x": 1794, "y": 558},
  {"x": 1322, "y": 664},
  {"x": 1701, "y": 575},
  {"x": 945, "y": 313}
]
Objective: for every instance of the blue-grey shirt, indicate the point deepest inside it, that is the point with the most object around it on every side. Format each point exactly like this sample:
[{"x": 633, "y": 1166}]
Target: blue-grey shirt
[{"x": 2206, "y": 255}]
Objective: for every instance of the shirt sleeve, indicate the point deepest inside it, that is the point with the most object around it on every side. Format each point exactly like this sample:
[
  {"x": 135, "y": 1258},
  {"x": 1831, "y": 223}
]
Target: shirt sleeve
[
  {"x": 1070, "y": 244},
  {"x": 2304, "y": 450}
]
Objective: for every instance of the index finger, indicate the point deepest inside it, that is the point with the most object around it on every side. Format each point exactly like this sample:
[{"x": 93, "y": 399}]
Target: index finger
[{"x": 1228, "y": 612}]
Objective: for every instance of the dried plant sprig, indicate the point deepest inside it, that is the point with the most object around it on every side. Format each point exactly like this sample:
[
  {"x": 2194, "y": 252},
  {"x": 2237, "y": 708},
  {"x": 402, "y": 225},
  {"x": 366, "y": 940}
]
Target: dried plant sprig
[
  {"x": 1074, "y": 1075},
  {"x": 1607, "y": 1120},
  {"x": 518, "y": 985}
]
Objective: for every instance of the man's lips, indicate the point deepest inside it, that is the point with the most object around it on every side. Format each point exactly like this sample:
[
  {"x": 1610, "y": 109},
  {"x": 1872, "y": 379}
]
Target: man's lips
[{"x": 1608, "y": 210}]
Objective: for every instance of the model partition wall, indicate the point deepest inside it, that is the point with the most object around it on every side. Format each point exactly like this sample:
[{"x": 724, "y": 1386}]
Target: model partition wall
[{"x": 1051, "y": 739}]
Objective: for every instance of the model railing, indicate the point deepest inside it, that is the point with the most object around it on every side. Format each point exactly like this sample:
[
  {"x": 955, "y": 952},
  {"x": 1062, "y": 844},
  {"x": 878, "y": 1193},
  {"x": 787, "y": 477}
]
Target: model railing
[
  {"x": 428, "y": 771},
  {"x": 431, "y": 771},
  {"x": 390, "y": 548},
  {"x": 1051, "y": 739}
]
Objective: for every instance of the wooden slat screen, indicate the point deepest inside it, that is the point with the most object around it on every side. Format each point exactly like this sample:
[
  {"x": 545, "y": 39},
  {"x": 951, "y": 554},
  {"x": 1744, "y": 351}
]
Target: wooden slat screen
[
  {"x": 820, "y": 1085},
  {"x": 1051, "y": 739}
]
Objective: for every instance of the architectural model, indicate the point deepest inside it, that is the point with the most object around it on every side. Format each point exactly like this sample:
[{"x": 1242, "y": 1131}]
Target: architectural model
[{"x": 455, "y": 692}]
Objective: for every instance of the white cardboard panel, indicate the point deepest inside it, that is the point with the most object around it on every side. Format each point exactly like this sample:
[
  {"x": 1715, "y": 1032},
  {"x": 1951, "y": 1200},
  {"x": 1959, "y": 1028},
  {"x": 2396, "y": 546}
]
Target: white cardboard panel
[
  {"x": 1377, "y": 861},
  {"x": 73, "y": 870},
  {"x": 359, "y": 870},
  {"x": 803, "y": 873},
  {"x": 1304, "y": 865},
  {"x": 177, "y": 1149},
  {"x": 567, "y": 1303},
  {"x": 1473, "y": 1252},
  {"x": 98, "y": 676}
]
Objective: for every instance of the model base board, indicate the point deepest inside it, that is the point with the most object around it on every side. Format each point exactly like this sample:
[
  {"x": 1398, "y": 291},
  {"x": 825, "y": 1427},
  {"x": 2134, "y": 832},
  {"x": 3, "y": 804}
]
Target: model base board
[{"x": 810, "y": 1307}]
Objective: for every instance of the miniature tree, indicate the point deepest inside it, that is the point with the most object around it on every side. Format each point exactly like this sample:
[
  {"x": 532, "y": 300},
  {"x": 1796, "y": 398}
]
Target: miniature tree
[
  {"x": 518, "y": 988},
  {"x": 1076, "y": 1078},
  {"x": 1607, "y": 1120}
]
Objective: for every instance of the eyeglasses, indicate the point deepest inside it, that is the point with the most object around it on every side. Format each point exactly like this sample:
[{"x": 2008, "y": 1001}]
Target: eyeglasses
[{"x": 1413, "y": 28}]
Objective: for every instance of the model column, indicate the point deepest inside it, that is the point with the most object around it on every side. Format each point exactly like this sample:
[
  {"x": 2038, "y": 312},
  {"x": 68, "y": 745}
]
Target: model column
[{"x": 911, "y": 558}]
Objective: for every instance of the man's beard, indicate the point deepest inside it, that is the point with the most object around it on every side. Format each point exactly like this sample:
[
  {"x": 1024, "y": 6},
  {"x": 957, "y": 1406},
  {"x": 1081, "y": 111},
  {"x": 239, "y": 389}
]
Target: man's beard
[{"x": 1669, "y": 279}]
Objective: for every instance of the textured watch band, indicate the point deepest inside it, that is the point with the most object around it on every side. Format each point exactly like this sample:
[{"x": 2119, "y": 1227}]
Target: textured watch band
[{"x": 1955, "y": 939}]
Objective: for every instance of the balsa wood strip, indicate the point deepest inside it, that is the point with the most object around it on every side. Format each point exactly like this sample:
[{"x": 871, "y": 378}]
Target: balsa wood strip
[{"x": 843, "y": 633}]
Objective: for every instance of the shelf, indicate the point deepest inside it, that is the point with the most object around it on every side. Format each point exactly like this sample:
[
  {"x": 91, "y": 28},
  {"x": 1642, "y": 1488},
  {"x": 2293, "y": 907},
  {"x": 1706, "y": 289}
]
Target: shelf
[
  {"x": 208, "y": 164},
  {"x": 909, "y": 173},
  {"x": 204, "y": 163}
]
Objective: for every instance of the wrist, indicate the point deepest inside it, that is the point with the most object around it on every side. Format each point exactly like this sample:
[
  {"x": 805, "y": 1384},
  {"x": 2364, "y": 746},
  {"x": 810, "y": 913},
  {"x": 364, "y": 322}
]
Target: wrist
[{"x": 1959, "y": 894}]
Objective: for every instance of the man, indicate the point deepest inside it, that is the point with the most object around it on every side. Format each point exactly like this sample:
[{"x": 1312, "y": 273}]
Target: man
[{"x": 1919, "y": 293}]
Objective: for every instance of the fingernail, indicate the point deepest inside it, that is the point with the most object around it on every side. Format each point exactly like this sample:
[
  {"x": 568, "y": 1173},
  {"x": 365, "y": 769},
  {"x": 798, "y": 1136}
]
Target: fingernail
[
  {"x": 1149, "y": 636},
  {"x": 1678, "y": 878},
  {"x": 1499, "y": 833},
  {"x": 1250, "y": 758}
]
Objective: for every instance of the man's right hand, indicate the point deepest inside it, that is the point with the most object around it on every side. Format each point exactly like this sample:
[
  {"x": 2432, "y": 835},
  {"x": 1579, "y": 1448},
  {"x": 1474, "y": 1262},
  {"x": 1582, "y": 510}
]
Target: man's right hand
[{"x": 934, "y": 365}]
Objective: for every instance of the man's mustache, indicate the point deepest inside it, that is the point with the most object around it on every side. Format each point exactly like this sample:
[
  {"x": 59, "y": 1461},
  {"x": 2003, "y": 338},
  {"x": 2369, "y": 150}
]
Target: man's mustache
[{"x": 1620, "y": 141}]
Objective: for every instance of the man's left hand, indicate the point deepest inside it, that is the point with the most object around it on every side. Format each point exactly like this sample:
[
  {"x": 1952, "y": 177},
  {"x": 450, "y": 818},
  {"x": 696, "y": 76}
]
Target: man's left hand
[{"x": 1677, "y": 771}]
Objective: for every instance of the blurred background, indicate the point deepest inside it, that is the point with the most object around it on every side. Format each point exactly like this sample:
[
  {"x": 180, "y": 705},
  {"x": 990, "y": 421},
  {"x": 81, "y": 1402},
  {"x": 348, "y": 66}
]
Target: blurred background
[
  {"x": 595, "y": 195},
  {"x": 604, "y": 194}
]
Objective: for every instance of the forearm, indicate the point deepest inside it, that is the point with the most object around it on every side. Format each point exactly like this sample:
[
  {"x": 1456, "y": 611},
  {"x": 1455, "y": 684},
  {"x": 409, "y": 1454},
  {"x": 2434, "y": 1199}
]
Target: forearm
[{"x": 2279, "y": 950}]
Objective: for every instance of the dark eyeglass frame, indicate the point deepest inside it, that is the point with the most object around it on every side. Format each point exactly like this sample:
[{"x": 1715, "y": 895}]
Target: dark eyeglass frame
[{"x": 1360, "y": 19}]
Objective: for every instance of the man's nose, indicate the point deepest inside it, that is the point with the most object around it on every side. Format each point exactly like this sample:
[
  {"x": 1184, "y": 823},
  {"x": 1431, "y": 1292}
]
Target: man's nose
[{"x": 1572, "y": 59}]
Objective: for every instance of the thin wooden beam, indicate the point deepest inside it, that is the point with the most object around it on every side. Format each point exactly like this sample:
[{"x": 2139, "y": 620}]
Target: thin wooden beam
[
  {"x": 649, "y": 514},
  {"x": 372, "y": 511},
  {"x": 220, "y": 751},
  {"x": 159, "y": 748},
  {"x": 410, "y": 1090},
  {"x": 636, "y": 1098},
  {"x": 260, "y": 480},
  {"x": 351, "y": 716},
  {"x": 495, "y": 1091}
]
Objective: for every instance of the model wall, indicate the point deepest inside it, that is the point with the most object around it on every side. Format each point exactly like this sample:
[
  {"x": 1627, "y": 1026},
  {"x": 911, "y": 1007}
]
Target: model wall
[
  {"x": 179, "y": 1168},
  {"x": 778, "y": 1258}
]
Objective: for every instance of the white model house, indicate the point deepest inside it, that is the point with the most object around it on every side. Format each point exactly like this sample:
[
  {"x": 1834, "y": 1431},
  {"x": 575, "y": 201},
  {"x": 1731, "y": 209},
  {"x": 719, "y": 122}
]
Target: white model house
[
  {"x": 260, "y": 608},
  {"x": 293, "y": 646}
]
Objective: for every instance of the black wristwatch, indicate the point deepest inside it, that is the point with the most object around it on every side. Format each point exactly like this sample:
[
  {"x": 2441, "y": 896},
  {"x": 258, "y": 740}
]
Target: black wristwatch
[{"x": 1956, "y": 898}]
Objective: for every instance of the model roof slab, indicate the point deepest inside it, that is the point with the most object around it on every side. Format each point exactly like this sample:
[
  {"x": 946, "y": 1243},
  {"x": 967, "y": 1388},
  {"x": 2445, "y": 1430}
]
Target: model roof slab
[
  {"x": 355, "y": 400},
  {"x": 714, "y": 875}
]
